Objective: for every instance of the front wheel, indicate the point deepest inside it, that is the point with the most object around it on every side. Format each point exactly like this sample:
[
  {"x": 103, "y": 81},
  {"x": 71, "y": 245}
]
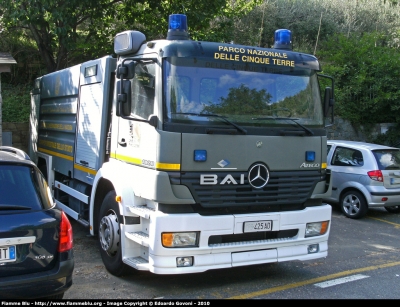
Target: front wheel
[
  {"x": 394, "y": 209},
  {"x": 110, "y": 236},
  {"x": 353, "y": 204}
]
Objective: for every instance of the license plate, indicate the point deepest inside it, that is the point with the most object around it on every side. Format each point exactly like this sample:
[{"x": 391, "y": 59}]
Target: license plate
[
  {"x": 7, "y": 253},
  {"x": 394, "y": 180},
  {"x": 257, "y": 226}
]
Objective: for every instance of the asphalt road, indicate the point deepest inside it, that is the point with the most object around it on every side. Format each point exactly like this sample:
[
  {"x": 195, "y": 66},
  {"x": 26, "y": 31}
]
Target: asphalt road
[{"x": 363, "y": 263}]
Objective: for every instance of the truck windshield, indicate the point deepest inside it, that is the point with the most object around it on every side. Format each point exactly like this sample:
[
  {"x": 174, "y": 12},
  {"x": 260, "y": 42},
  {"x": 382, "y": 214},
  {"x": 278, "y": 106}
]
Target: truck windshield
[{"x": 248, "y": 95}]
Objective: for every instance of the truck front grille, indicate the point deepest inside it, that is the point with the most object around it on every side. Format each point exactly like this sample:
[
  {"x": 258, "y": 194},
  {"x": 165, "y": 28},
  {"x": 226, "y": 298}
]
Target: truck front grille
[{"x": 284, "y": 190}]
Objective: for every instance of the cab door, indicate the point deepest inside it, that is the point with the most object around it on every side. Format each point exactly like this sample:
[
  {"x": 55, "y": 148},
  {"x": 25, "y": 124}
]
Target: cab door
[{"x": 137, "y": 139}]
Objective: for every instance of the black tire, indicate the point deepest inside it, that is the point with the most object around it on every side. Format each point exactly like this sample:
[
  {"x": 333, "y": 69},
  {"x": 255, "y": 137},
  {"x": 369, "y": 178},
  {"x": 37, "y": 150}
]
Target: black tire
[
  {"x": 353, "y": 204},
  {"x": 109, "y": 236},
  {"x": 395, "y": 209}
]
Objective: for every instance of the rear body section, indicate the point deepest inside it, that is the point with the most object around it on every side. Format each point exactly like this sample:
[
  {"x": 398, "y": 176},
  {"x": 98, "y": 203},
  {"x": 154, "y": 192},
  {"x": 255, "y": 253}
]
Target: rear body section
[{"x": 71, "y": 136}]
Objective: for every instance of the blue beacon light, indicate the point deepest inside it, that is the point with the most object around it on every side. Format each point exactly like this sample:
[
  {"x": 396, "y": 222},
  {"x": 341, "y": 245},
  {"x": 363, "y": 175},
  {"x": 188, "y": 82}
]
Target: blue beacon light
[
  {"x": 283, "y": 39},
  {"x": 177, "y": 27}
]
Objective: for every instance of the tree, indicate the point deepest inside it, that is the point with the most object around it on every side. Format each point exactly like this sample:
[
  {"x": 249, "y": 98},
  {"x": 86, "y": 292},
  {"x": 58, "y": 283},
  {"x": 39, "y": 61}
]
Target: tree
[
  {"x": 69, "y": 32},
  {"x": 313, "y": 21},
  {"x": 366, "y": 73}
]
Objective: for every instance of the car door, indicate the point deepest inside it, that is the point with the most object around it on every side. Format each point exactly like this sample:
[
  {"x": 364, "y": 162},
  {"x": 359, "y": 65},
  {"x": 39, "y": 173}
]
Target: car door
[{"x": 345, "y": 164}]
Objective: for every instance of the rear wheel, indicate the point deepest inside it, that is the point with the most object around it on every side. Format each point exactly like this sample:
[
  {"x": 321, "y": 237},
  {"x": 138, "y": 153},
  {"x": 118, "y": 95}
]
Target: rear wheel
[
  {"x": 353, "y": 204},
  {"x": 395, "y": 209},
  {"x": 110, "y": 236}
]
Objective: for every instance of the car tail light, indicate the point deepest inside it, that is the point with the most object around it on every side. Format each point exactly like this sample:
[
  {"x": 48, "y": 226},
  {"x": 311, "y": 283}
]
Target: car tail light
[
  {"x": 376, "y": 175},
  {"x": 65, "y": 242}
]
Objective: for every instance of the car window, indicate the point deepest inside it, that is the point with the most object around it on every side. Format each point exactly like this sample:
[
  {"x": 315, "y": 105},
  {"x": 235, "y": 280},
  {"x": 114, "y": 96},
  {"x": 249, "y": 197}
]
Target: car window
[
  {"x": 24, "y": 186},
  {"x": 347, "y": 157},
  {"x": 387, "y": 159},
  {"x": 328, "y": 149}
]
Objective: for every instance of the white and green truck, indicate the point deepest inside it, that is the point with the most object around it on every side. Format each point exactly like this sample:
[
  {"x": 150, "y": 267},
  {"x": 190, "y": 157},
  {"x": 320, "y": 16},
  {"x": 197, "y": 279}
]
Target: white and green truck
[{"x": 183, "y": 156}]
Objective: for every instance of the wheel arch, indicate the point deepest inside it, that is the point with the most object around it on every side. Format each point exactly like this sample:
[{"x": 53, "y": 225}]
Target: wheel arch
[
  {"x": 358, "y": 188},
  {"x": 103, "y": 187}
]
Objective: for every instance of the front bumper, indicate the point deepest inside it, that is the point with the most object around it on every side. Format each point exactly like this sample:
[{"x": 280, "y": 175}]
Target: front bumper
[{"x": 241, "y": 253}]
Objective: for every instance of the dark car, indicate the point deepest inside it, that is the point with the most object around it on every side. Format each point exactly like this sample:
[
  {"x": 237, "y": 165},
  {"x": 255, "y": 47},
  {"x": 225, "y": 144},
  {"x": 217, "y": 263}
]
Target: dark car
[{"x": 36, "y": 242}]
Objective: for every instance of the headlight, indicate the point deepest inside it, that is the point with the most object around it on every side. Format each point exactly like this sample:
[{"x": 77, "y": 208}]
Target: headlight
[
  {"x": 179, "y": 239},
  {"x": 316, "y": 229}
]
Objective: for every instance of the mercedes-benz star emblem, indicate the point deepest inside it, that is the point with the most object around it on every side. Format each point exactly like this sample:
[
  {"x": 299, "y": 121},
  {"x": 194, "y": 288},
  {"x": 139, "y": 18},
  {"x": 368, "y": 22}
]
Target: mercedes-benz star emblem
[{"x": 258, "y": 176}]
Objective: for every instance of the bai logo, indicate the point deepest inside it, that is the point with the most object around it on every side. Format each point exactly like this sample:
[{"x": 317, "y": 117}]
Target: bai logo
[{"x": 213, "y": 179}]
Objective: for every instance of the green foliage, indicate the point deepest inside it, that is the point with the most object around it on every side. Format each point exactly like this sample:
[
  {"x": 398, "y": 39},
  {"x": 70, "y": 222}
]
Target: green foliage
[
  {"x": 16, "y": 103},
  {"x": 29, "y": 65},
  {"x": 61, "y": 29},
  {"x": 366, "y": 77},
  {"x": 313, "y": 21},
  {"x": 73, "y": 31}
]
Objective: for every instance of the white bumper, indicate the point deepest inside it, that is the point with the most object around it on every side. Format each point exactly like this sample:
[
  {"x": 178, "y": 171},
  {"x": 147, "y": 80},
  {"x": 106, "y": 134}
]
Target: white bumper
[{"x": 223, "y": 255}]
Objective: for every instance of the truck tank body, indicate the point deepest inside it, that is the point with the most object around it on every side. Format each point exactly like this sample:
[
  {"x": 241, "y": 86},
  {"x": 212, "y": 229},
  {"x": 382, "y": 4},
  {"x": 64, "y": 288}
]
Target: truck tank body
[{"x": 71, "y": 100}]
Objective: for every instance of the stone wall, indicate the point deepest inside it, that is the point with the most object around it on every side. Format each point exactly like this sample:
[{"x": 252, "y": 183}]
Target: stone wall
[
  {"x": 344, "y": 130},
  {"x": 20, "y": 134}
]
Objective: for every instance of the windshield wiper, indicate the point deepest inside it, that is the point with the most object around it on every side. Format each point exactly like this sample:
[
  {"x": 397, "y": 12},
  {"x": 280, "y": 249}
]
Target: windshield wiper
[
  {"x": 244, "y": 131},
  {"x": 14, "y": 207},
  {"x": 286, "y": 118}
]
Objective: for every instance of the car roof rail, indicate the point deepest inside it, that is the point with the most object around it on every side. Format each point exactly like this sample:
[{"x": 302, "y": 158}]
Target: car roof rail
[{"x": 18, "y": 152}]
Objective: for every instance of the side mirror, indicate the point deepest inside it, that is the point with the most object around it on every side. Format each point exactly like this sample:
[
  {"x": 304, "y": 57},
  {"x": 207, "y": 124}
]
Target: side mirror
[
  {"x": 123, "y": 98},
  {"x": 126, "y": 71},
  {"x": 328, "y": 101}
]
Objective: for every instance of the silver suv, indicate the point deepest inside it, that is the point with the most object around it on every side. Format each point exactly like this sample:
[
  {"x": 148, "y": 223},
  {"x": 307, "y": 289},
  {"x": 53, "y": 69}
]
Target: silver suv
[{"x": 364, "y": 175}]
